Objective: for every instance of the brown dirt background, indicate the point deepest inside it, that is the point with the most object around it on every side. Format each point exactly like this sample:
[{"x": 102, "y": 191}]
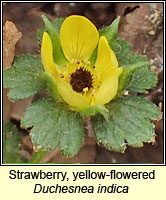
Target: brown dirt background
[{"x": 141, "y": 25}]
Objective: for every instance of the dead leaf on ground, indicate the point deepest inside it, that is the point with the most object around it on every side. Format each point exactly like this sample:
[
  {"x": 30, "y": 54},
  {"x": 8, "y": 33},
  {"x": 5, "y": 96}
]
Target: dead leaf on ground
[{"x": 10, "y": 36}]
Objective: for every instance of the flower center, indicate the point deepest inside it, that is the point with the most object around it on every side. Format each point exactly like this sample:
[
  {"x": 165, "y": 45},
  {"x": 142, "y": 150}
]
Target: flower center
[{"x": 81, "y": 79}]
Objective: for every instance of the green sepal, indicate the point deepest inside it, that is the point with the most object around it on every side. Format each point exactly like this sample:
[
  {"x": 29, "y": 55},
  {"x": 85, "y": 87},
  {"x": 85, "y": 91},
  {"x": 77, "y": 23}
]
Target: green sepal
[
  {"x": 92, "y": 110},
  {"x": 138, "y": 78},
  {"x": 125, "y": 79},
  {"x": 51, "y": 86},
  {"x": 58, "y": 55},
  {"x": 93, "y": 56},
  {"x": 11, "y": 144},
  {"x": 54, "y": 124},
  {"x": 110, "y": 32},
  {"x": 129, "y": 123},
  {"x": 57, "y": 25}
]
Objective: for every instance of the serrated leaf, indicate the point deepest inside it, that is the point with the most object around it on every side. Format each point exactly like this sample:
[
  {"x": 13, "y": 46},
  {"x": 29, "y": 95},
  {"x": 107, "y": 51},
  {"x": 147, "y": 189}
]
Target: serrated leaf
[
  {"x": 129, "y": 122},
  {"x": 54, "y": 123},
  {"x": 11, "y": 143},
  {"x": 142, "y": 80},
  {"x": 126, "y": 58},
  {"x": 58, "y": 55},
  {"x": 24, "y": 77}
]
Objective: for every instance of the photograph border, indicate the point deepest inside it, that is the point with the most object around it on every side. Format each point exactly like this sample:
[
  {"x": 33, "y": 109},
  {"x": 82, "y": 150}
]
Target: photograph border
[{"x": 79, "y": 164}]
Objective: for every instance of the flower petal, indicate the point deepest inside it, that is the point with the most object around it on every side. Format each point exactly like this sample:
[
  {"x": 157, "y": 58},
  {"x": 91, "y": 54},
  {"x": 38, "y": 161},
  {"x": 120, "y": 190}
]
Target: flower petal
[
  {"x": 69, "y": 96},
  {"x": 108, "y": 89},
  {"x": 78, "y": 38},
  {"x": 106, "y": 63},
  {"x": 47, "y": 55}
]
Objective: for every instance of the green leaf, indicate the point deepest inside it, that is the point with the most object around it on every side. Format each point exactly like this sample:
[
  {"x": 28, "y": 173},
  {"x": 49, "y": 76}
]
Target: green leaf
[
  {"x": 142, "y": 80},
  {"x": 58, "y": 55},
  {"x": 126, "y": 58},
  {"x": 37, "y": 156},
  {"x": 128, "y": 123},
  {"x": 24, "y": 77},
  {"x": 54, "y": 123},
  {"x": 11, "y": 143},
  {"x": 110, "y": 32}
]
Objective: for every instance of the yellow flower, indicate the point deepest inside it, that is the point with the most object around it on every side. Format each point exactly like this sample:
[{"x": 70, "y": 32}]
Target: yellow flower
[{"x": 79, "y": 83}]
